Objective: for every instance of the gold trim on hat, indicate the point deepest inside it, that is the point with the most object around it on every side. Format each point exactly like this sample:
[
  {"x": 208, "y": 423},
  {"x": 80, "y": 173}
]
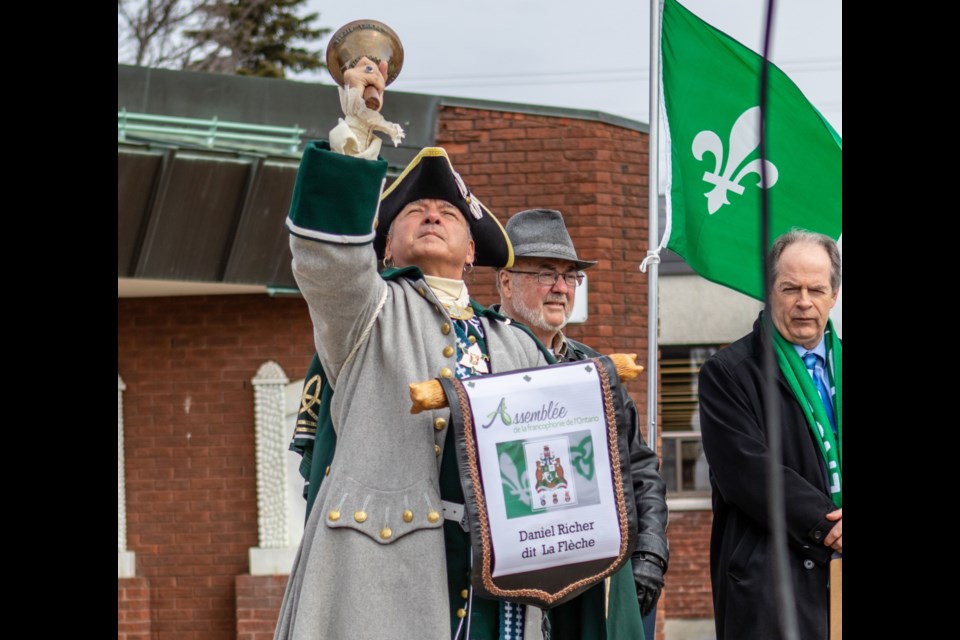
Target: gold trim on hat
[
  {"x": 426, "y": 152},
  {"x": 440, "y": 152}
]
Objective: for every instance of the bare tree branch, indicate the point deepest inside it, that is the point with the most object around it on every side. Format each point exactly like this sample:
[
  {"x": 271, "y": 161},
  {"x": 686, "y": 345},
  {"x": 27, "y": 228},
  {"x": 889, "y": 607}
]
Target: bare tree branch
[
  {"x": 149, "y": 32},
  {"x": 250, "y": 37}
]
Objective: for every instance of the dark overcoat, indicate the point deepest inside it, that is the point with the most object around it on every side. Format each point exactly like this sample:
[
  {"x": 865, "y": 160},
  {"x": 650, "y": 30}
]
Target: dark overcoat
[{"x": 735, "y": 442}]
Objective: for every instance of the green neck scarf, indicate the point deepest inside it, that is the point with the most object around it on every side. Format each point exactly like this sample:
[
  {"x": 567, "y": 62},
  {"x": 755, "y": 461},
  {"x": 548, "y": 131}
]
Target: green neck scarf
[{"x": 798, "y": 379}]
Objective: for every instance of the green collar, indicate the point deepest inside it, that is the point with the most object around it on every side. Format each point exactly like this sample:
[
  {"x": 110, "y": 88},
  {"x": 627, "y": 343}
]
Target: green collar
[{"x": 393, "y": 273}]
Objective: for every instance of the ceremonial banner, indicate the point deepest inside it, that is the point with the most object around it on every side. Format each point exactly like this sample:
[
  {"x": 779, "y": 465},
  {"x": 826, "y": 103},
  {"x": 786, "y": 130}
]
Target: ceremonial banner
[{"x": 547, "y": 484}]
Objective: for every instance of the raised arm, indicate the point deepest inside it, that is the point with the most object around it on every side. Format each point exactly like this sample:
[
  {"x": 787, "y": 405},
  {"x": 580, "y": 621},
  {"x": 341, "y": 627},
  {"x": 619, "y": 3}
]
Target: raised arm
[{"x": 331, "y": 224}]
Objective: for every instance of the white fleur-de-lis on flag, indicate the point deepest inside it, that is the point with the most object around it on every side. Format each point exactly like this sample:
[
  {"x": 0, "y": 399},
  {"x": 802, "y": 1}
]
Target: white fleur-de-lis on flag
[{"x": 744, "y": 139}]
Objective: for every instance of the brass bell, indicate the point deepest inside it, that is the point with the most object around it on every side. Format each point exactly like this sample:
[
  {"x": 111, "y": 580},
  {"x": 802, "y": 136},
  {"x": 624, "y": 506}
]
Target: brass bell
[{"x": 369, "y": 38}]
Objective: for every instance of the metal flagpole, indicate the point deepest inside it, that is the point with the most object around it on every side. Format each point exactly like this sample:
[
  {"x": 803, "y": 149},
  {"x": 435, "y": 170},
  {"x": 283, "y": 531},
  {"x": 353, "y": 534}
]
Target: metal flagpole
[{"x": 653, "y": 209}]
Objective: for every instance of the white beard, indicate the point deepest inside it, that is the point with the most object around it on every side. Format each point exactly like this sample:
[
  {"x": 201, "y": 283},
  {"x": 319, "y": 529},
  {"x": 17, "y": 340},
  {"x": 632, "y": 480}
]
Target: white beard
[{"x": 534, "y": 317}]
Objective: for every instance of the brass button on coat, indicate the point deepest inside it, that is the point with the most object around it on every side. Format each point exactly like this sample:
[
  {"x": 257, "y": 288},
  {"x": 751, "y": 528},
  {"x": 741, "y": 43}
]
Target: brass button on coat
[
  {"x": 436, "y": 450},
  {"x": 326, "y": 471},
  {"x": 408, "y": 516},
  {"x": 439, "y": 424},
  {"x": 360, "y": 516},
  {"x": 461, "y": 613},
  {"x": 448, "y": 351},
  {"x": 433, "y": 517},
  {"x": 422, "y": 291},
  {"x": 464, "y": 594},
  {"x": 386, "y": 533},
  {"x": 333, "y": 516},
  {"x": 472, "y": 339},
  {"x": 446, "y": 372},
  {"x": 445, "y": 328}
]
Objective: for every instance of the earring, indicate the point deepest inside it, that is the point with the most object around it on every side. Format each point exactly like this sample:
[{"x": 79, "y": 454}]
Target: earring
[
  {"x": 468, "y": 268},
  {"x": 387, "y": 263}
]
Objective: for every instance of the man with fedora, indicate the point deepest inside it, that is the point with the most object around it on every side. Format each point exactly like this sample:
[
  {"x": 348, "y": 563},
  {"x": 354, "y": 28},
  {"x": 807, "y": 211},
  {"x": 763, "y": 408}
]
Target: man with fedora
[
  {"x": 383, "y": 554},
  {"x": 539, "y": 291}
]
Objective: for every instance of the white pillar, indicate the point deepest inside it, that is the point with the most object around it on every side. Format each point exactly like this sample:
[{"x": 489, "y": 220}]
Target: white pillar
[
  {"x": 273, "y": 555},
  {"x": 126, "y": 560}
]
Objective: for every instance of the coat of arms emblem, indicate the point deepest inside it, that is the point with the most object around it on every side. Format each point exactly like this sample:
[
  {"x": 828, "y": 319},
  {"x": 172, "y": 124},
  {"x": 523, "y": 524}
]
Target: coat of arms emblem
[{"x": 552, "y": 485}]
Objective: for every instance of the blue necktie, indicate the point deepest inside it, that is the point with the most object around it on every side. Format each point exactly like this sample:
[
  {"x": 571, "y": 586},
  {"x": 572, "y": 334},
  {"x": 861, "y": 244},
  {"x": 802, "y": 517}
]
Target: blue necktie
[{"x": 812, "y": 361}]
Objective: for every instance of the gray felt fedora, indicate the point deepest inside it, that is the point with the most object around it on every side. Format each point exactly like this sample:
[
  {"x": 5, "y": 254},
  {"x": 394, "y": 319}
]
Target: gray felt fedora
[{"x": 540, "y": 233}]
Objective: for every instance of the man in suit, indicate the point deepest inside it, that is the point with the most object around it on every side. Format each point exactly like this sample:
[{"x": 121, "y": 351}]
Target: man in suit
[{"x": 806, "y": 281}]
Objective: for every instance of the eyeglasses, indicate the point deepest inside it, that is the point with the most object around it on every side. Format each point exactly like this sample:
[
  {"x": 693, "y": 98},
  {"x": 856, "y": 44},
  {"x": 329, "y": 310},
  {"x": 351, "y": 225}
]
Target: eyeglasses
[{"x": 549, "y": 278}]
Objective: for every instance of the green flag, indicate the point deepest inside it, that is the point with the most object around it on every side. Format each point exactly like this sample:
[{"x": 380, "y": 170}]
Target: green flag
[{"x": 711, "y": 93}]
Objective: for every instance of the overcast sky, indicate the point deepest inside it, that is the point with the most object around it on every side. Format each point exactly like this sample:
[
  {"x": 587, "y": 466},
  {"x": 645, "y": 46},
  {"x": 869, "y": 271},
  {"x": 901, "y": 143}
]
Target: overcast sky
[{"x": 586, "y": 54}]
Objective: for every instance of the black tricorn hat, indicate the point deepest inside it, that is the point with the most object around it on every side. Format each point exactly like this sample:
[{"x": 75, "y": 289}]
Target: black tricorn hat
[{"x": 431, "y": 176}]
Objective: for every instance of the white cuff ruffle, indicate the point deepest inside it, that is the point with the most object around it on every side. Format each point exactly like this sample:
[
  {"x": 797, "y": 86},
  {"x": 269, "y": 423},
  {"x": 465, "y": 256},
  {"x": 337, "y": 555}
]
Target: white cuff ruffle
[{"x": 354, "y": 135}]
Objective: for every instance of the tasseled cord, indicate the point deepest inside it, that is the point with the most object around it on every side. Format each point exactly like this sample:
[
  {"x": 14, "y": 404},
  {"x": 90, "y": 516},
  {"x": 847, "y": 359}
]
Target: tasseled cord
[{"x": 545, "y": 626}]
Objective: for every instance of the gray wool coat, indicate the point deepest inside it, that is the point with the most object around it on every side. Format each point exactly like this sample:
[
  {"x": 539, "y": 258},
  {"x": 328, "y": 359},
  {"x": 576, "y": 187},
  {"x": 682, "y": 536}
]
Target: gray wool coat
[{"x": 371, "y": 562}]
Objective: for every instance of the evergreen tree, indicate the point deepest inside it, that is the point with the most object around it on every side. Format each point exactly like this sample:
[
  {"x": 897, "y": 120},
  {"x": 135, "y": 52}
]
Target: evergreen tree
[{"x": 256, "y": 38}]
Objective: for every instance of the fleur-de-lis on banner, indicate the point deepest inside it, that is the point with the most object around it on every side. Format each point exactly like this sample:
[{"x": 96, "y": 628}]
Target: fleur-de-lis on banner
[{"x": 744, "y": 139}]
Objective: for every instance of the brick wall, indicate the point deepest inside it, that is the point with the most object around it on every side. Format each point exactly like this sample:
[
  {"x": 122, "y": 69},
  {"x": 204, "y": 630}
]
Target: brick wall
[
  {"x": 258, "y": 605},
  {"x": 687, "y": 593},
  {"x": 189, "y": 438},
  {"x": 133, "y": 609},
  {"x": 596, "y": 175}
]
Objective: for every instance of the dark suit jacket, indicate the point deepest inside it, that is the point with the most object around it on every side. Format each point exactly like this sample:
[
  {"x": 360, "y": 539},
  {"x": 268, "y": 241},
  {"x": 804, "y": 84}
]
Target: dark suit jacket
[{"x": 735, "y": 442}]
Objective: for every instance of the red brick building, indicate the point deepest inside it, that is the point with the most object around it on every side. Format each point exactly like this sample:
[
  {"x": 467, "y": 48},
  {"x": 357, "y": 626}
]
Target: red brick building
[{"x": 199, "y": 329}]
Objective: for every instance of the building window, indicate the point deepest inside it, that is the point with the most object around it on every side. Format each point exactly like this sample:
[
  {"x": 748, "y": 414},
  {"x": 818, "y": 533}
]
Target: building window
[{"x": 684, "y": 465}]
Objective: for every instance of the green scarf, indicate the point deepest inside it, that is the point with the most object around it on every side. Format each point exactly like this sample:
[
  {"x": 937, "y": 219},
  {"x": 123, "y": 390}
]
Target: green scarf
[{"x": 798, "y": 379}]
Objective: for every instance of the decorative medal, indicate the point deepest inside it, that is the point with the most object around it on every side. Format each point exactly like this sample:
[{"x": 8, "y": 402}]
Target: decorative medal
[
  {"x": 474, "y": 359},
  {"x": 458, "y": 311}
]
